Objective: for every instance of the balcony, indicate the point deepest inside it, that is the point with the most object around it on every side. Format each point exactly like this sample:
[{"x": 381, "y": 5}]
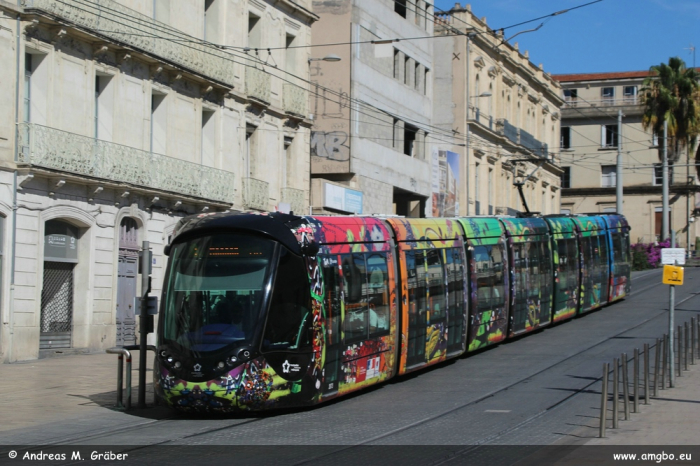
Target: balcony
[
  {"x": 257, "y": 84},
  {"x": 54, "y": 149},
  {"x": 256, "y": 194},
  {"x": 295, "y": 198},
  {"x": 106, "y": 18},
  {"x": 522, "y": 137},
  {"x": 295, "y": 100}
]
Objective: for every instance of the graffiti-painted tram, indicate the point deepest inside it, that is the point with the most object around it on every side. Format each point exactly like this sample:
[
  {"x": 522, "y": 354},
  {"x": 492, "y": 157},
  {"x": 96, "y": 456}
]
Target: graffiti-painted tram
[{"x": 264, "y": 311}]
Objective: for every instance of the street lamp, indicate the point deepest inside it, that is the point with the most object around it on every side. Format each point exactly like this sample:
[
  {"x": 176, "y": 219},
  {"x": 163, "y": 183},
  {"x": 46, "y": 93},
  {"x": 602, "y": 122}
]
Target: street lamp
[{"x": 330, "y": 57}]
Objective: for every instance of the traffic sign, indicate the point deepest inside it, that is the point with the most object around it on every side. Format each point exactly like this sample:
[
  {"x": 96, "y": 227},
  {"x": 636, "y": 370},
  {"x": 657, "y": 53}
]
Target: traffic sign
[
  {"x": 673, "y": 275},
  {"x": 673, "y": 256}
]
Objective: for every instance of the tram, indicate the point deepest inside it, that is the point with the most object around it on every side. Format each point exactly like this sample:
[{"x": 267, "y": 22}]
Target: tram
[{"x": 269, "y": 310}]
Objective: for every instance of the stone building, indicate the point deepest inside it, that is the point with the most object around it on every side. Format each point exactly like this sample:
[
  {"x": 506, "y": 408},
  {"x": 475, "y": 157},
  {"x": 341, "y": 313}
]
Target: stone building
[
  {"x": 372, "y": 110},
  {"x": 117, "y": 118},
  {"x": 589, "y": 148},
  {"x": 509, "y": 108}
]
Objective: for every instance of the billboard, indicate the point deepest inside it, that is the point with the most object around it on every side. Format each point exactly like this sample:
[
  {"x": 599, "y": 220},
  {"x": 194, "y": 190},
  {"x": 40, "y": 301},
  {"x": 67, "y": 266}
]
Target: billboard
[{"x": 445, "y": 183}]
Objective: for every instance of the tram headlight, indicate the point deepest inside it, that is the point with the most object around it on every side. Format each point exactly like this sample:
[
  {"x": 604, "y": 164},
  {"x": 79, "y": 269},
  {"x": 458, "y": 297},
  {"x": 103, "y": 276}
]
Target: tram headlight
[
  {"x": 232, "y": 361},
  {"x": 221, "y": 365},
  {"x": 177, "y": 364},
  {"x": 170, "y": 360}
]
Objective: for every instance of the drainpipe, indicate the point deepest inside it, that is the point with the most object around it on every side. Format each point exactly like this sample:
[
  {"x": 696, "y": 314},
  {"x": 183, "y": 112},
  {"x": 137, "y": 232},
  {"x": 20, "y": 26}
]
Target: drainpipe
[{"x": 13, "y": 253}]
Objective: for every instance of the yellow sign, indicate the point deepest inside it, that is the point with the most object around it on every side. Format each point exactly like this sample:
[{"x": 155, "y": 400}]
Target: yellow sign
[{"x": 673, "y": 275}]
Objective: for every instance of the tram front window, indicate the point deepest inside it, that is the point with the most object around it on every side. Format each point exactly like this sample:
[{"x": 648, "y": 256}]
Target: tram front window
[{"x": 214, "y": 291}]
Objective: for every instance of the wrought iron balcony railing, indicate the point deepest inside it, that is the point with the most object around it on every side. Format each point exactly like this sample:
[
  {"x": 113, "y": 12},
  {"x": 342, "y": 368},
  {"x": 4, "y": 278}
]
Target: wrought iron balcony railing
[
  {"x": 295, "y": 198},
  {"x": 295, "y": 100},
  {"x": 257, "y": 84},
  {"x": 256, "y": 194},
  {"x": 110, "y": 19},
  {"x": 52, "y": 148}
]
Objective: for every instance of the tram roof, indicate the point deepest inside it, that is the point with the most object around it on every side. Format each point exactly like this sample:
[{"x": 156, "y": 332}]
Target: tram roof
[
  {"x": 425, "y": 229},
  {"x": 274, "y": 225},
  {"x": 350, "y": 229},
  {"x": 525, "y": 226},
  {"x": 615, "y": 221},
  {"x": 563, "y": 224},
  {"x": 475, "y": 227},
  {"x": 589, "y": 223}
]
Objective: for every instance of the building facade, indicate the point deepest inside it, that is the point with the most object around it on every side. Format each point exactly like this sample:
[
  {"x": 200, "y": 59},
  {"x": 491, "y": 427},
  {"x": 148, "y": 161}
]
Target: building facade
[
  {"x": 372, "y": 110},
  {"x": 119, "y": 117},
  {"x": 505, "y": 114},
  {"x": 590, "y": 141}
]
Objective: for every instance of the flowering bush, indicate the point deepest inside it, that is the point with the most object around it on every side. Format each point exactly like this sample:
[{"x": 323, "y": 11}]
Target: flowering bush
[{"x": 647, "y": 255}]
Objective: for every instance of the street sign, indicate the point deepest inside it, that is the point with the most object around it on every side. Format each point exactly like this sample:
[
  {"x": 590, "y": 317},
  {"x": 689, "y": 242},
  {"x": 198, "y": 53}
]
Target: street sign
[
  {"x": 673, "y": 256},
  {"x": 673, "y": 275}
]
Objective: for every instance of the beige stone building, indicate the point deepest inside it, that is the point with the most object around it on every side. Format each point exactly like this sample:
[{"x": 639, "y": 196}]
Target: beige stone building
[
  {"x": 509, "y": 107},
  {"x": 117, "y": 118},
  {"x": 589, "y": 148},
  {"x": 372, "y": 139}
]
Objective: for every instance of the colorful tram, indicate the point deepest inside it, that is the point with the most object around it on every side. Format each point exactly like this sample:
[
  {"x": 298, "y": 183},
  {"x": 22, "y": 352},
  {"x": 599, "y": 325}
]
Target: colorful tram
[{"x": 264, "y": 311}]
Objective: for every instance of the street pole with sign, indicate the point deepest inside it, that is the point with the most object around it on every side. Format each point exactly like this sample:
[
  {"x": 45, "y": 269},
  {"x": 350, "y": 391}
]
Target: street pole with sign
[{"x": 673, "y": 275}]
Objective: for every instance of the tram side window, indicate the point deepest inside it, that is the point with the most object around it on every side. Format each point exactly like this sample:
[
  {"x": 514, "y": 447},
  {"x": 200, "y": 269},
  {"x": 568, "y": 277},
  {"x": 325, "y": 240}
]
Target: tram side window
[
  {"x": 436, "y": 284},
  {"x": 289, "y": 319},
  {"x": 455, "y": 294},
  {"x": 365, "y": 280},
  {"x": 545, "y": 270},
  {"x": 333, "y": 296},
  {"x": 568, "y": 263},
  {"x": 490, "y": 280}
]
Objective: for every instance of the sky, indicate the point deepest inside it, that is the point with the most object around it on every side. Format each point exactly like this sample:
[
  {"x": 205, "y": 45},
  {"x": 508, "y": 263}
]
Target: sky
[{"x": 611, "y": 35}]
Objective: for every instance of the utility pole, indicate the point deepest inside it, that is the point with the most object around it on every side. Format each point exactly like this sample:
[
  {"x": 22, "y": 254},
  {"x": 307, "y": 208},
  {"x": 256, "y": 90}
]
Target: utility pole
[
  {"x": 664, "y": 195},
  {"x": 618, "y": 175}
]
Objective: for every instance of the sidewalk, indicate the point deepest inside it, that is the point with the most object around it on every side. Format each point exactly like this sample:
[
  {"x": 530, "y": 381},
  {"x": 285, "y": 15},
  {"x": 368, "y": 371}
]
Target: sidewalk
[{"x": 670, "y": 419}]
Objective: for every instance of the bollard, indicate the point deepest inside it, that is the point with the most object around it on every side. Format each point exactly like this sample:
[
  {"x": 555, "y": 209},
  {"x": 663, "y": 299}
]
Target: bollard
[
  {"x": 636, "y": 381},
  {"x": 616, "y": 393},
  {"x": 604, "y": 401},
  {"x": 646, "y": 373},
  {"x": 657, "y": 366},
  {"x": 685, "y": 345},
  {"x": 679, "y": 336},
  {"x": 625, "y": 386},
  {"x": 664, "y": 363}
]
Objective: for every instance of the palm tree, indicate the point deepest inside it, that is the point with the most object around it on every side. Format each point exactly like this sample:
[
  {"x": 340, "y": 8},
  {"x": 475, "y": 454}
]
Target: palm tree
[{"x": 672, "y": 94}]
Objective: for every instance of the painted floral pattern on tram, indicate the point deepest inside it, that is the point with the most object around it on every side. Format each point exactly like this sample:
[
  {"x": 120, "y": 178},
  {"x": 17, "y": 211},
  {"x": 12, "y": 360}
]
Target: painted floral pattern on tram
[{"x": 567, "y": 264}]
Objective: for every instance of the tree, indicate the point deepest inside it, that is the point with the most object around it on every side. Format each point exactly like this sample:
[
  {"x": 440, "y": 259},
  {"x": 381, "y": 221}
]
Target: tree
[{"x": 672, "y": 93}]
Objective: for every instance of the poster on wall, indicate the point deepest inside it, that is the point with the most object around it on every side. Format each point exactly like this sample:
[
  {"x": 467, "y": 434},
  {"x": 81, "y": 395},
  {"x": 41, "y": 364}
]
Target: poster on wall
[{"x": 445, "y": 183}]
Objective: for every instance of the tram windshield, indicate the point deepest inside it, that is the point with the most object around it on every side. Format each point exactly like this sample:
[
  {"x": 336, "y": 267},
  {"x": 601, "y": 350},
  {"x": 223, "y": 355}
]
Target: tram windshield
[{"x": 214, "y": 291}]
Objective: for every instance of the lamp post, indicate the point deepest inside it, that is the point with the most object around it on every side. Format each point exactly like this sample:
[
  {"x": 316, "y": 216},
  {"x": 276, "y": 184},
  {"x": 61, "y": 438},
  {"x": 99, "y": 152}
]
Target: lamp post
[{"x": 331, "y": 57}]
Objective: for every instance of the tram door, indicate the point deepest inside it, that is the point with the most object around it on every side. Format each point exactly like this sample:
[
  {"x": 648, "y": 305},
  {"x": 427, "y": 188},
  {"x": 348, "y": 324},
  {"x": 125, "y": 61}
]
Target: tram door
[
  {"x": 60, "y": 257},
  {"x": 126, "y": 282}
]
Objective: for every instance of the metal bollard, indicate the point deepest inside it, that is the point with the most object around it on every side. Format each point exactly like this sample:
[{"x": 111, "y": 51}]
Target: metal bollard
[
  {"x": 616, "y": 393},
  {"x": 636, "y": 381},
  {"x": 685, "y": 345},
  {"x": 604, "y": 401},
  {"x": 123, "y": 352},
  {"x": 664, "y": 364},
  {"x": 657, "y": 366},
  {"x": 679, "y": 336},
  {"x": 646, "y": 373},
  {"x": 625, "y": 386}
]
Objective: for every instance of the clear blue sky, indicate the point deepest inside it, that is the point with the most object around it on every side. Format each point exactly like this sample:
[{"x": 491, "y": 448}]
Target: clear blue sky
[{"x": 611, "y": 35}]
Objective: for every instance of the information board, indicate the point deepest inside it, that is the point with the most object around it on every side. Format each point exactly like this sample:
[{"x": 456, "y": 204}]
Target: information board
[{"x": 673, "y": 256}]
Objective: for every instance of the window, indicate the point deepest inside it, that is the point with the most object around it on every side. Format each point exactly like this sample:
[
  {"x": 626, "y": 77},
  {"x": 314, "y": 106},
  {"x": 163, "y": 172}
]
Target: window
[
  {"x": 426, "y": 80},
  {"x": 608, "y": 93},
  {"x": 409, "y": 140},
  {"x": 490, "y": 191},
  {"x": 289, "y": 160},
  {"x": 565, "y": 137},
  {"x": 104, "y": 108},
  {"x": 455, "y": 297},
  {"x": 630, "y": 93},
  {"x": 417, "y": 76},
  {"x": 565, "y": 211},
  {"x": 609, "y": 136},
  {"x": 291, "y": 59},
  {"x": 211, "y": 27},
  {"x": 364, "y": 281},
  {"x": 566, "y": 177},
  {"x": 400, "y": 7},
  {"x": 158, "y": 123},
  {"x": 658, "y": 179},
  {"x": 407, "y": 70},
  {"x": 208, "y": 138},
  {"x": 254, "y": 31},
  {"x": 570, "y": 96},
  {"x": 250, "y": 140},
  {"x": 397, "y": 64},
  {"x": 477, "y": 206},
  {"x": 609, "y": 173},
  {"x": 655, "y": 139}
]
